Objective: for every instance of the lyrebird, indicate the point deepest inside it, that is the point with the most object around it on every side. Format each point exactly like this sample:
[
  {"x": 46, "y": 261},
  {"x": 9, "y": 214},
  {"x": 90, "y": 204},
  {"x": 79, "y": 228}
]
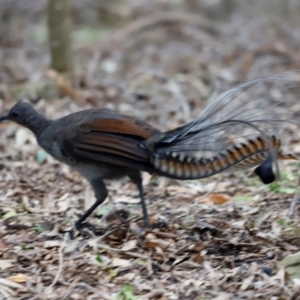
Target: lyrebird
[{"x": 239, "y": 129}]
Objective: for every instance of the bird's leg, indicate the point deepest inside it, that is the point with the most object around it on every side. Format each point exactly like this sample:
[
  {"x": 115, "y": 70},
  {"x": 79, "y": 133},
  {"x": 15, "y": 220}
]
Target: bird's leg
[
  {"x": 100, "y": 193},
  {"x": 137, "y": 179}
]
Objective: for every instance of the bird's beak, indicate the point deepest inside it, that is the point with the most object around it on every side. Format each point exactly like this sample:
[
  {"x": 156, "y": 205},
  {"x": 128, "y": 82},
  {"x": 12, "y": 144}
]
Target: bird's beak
[{"x": 4, "y": 117}]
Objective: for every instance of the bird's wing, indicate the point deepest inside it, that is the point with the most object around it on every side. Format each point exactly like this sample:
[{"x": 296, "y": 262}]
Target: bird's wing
[{"x": 110, "y": 138}]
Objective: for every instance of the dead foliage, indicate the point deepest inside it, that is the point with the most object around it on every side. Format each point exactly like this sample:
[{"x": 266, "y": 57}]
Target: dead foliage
[{"x": 220, "y": 238}]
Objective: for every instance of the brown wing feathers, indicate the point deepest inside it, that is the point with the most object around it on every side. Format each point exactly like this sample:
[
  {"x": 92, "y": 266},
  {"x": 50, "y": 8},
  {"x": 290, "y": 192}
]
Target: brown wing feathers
[
  {"x": 113, "y": 138},
  {"x": 113, "y": 144},
  {"x": 126, "y": 126}
]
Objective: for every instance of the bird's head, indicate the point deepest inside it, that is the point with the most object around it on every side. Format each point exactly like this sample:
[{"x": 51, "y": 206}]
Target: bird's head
[
  {"x": 20, "y": 113},
  {"x": 24, "y": 114}
]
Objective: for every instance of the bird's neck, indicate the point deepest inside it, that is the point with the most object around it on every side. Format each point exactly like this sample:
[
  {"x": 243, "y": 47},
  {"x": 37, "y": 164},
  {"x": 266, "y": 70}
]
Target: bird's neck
[{"x": 37, "y": 124}]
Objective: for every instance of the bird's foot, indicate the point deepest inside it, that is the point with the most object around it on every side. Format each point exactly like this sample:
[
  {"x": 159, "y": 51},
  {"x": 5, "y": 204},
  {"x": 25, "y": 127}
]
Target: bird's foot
[
  {"x": 159, "y": 224},
  {"x": 80, "y": 226}
]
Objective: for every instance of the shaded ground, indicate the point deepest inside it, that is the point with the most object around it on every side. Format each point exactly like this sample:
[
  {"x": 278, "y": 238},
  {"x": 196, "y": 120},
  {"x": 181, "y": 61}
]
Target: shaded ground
[{"x": 225, "y": 234}]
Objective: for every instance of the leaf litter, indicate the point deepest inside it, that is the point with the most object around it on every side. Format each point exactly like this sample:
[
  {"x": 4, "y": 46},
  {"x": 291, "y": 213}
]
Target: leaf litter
[{"x": 224, "y": 237}]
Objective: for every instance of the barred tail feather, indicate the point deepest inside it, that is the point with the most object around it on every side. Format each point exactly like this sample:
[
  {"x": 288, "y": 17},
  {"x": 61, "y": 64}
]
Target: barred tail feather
[{"x": 247, "y": 155}]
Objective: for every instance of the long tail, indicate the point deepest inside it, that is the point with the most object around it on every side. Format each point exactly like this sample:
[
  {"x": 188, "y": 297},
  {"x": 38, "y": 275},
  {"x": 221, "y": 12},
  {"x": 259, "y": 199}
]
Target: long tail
[{"x": 247, "y": 155}]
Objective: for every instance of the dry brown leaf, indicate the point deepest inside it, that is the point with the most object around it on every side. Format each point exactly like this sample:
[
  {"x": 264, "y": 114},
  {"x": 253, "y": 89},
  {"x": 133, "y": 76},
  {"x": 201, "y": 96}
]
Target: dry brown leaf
[
  {"x": 52, "y": 244},
  {"x": 190, "y": 265},
  {"x": 19, "y": 278},
  {"x": 247, "y": 282},
  {"x": 216, "y": 199},
  {"x": 152, "y": 242},
  {"x": 6, "y": 264},
  {"x": 10, "y": 283},
  {"x": 276, "y": 228},
  {"x": 119, "y": 262},
  {"x": 149, "y": 266},
  {"x": 71, "y": 246},
  {"x": 223, "y": 296},
  {"x": 198, "y": 258},
  {"x": 129, "y": 245},
  {"x": 65, "y": 87},
  {"x": 127, "y": 199}
]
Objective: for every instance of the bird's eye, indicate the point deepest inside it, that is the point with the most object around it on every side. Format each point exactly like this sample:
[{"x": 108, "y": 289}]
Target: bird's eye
[{"x": 14, "y": 114}]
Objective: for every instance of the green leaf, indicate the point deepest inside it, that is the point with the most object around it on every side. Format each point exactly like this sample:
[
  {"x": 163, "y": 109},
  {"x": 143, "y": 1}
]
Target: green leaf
[
  {"x": 286, "y": 176},
  {"x": 242, "y": 198},
  {"x": 274, "y": 187},
  {"x": 283, "y": 185},
  {"x": 282, "y": 189},
  {"x": 155, "y": 180},
  {"x": 283, "y": 222},
  {"x": 113, "y": 273},
  {"x": 67, "y": 222},
  {"x": 291, "y": 265},
  {"x": 288, "y": 190},
  {"x": 126, "y": 294},
  {"x": 118, "y": 297},
  {"x": 103, "y": 210},
  {"x": 99, "y": 259},
  {"x": 141, "y": 262},
  {"x": 41, "y": 156},
  {"x": 37, "y": 228},
  {"x": 9, "y": 214}
]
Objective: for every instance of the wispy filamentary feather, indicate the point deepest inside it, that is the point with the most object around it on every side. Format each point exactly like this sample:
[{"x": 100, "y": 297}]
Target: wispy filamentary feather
[{"x": 261, "y": 107}]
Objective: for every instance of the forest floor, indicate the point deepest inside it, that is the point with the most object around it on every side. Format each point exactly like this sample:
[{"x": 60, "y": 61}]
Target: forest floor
[{"x": 225, "y": 235}]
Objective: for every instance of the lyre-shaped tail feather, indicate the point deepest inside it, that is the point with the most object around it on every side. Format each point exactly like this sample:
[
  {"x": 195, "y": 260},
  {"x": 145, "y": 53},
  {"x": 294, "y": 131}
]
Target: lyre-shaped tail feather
[
  {"x": 262, "y": 107},
  {"x": 283, "y": 156},
  {"x": 246, "y": 155}
]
